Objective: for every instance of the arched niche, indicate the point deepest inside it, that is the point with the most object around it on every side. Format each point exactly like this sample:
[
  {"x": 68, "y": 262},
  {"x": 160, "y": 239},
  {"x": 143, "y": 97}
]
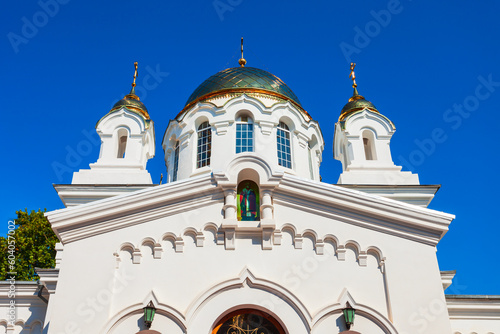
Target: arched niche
[
  {"x": 248, "y": 321},
  {"x": 121, "y": 136},
  {"x": 369, "y": 145},
  {"x": 248, "y": 201},
  {"x": 244, "y": 115}
]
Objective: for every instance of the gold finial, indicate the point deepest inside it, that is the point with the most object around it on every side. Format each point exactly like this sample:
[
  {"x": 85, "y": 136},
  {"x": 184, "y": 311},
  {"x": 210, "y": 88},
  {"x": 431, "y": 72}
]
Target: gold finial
[
  {"x": 353, "y": 76},
  {"x": 355, "y": 94},
  {"x": 135, "y": 74},
  {"x": 242, "y": 60},
  {"x": 132, "y": 94}
]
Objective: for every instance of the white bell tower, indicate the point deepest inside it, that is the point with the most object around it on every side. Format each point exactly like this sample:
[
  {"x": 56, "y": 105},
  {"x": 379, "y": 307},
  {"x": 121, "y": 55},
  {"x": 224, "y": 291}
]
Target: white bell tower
[
  {"x": 362, "y": 143},
  {"x": 127, "y": 143}
]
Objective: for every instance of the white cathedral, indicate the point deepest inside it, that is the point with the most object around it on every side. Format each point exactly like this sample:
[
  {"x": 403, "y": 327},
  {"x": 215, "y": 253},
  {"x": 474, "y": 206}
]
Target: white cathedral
[{"x": 243, "y": 237}]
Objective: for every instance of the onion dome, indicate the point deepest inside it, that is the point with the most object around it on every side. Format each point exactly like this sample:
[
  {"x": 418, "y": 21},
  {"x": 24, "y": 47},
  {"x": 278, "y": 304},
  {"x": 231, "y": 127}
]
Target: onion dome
[
  {"x": 356, "y": 102},
  {"x": 132, "y": 102},
  {"x": 243, "y": 79}
]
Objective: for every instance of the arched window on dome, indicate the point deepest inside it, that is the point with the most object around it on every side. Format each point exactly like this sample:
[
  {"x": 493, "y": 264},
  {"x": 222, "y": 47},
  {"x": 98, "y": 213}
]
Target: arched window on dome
[
  {"x": 369, "y": 145},
  {"x": 175, "y": 169},
  {"x": 204, "y": 145},
  {"x": 309, "y": 155},
  {"x": 284, "y": 150},
  {"x": 122, "y": 143},
  {"x": 248, "y": 321},
  {"x": 244, "y": 134},
  {"x": 248, "y": 201}
]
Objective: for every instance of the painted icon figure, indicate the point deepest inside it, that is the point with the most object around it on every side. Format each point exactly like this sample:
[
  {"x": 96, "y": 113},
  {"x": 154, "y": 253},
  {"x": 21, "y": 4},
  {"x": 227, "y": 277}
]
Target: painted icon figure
[{"x": 248, "y": 203}]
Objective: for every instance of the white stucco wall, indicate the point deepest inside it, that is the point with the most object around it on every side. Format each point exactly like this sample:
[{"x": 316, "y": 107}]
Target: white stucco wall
[
  {"x": 304, "y": 132},
  {"x": 27, "y": 313},
  {"x": 176, "y": 254}
]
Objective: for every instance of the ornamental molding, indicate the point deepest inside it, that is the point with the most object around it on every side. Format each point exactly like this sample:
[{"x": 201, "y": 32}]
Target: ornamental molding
[
  {"x": 106, "y": 215},
  {"x": 236, "y": 101},
  {"x": 221, "y": 127},
  {"x": 270, "y": 238},
  {"x": 369, "y": 211},
  {"x": 161, "y": 308},
  {"x": 104, "y": 123},
  {"x": 361, "y": 310},
  {"x": 266, "y": 127},
  {"x": 345, "y": 205},
  {"x": 184, "y": 138},
  {"x": 247, "y": 280},
  {"x": 473, "y": 307},
  {"x": 268, "y": 179},
  {"x": 364, "y": 114},
  {"x": 303, "y": 140}
]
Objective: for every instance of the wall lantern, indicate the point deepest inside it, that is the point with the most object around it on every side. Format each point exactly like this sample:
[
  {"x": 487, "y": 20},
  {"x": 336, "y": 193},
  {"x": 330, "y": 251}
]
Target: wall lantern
[
  {"x": 349, "y": 315},
  {"x": 149, "y": 314}
]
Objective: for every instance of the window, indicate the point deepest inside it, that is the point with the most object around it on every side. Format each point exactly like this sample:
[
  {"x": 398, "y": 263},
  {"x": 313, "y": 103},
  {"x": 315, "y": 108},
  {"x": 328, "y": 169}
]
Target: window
[
  {"x": 248, "y": 201},
  {"x": 204, "y": 145},
  {"x": 122, "y": 143},
  {"x": 368, "y": 145},
  {"x": 176, "y": 161},
  {"x": 244, "y": 135},
  {"x": 283, "y": 139},
  {"x": 368, "y": 151},
  {"x": 309, "y": 152},
  {"x": 248, "y": 321}
]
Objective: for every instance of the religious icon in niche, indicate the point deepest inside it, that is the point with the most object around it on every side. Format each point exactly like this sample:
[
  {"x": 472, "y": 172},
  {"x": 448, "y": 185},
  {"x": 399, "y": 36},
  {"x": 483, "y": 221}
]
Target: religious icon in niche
[
  {"x": 248, "y": 201},
  {"x": 248, "y": 322}
]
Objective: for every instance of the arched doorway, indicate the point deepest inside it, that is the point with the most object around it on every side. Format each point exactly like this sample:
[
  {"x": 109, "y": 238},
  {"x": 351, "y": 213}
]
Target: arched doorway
[{"x": 248, "y": 321}]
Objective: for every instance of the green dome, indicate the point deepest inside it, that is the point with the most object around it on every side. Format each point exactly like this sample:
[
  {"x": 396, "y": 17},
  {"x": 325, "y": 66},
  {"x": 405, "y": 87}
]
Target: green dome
[
  {"x": 128, "y": 102},
  {"x": 243, "y": 79},
  {"x": 356, "y": 102},
  {"x": 133, "y": 103},
  {"x": 357, "y": 105}
]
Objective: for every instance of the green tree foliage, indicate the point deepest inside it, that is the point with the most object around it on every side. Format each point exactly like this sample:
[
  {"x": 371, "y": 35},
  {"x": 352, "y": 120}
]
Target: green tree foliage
[{"x": 32, "y": 244}]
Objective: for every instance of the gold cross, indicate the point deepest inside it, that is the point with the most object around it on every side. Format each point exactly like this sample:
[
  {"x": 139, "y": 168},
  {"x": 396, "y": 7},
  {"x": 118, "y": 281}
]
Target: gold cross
[
  {"x": 242, "y": 47},
  {"x": 353, "y": 76},
  {"x": 135, "y": 74},
  {"x": 242, "y": 60}
]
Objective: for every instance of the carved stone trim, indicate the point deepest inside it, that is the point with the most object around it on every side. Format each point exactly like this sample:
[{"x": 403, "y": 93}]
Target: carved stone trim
[{"x": 221, "y": 127}]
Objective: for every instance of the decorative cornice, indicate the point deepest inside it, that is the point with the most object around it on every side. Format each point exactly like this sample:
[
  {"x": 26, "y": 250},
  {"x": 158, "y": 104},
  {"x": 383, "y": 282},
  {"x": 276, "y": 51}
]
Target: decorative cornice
[
  {"x": 114, "y": 213},
  {"x": 235, "y": 92},
  {"x": 447, "y": 278},
  {"x": 365, "y": 210},
  {"x": 231, "y": 229},
  {"x": 473, "y": 307}
]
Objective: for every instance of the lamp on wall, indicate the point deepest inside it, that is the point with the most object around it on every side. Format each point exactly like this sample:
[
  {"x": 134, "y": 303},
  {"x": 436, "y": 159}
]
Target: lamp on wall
[
  {"x": 149, "y": 314},
  {"x": 349, "y": 313}
]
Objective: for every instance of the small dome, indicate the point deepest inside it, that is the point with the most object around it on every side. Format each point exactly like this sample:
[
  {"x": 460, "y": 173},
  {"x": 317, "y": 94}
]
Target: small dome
[
  {"x": 241, "y": 79},
  {"x": 132, "y": 103},
  {"x": 356, "y": 102}
]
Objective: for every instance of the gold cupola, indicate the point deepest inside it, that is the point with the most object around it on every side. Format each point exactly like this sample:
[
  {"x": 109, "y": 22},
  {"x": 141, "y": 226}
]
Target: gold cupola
[
  {"x": 131, "y": 101},
  {"x": 356, "y": 101}
]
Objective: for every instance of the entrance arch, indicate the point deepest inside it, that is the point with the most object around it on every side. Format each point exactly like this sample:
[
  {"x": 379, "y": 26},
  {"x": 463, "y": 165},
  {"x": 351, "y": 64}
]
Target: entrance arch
[{"x": 248, "y": 321}]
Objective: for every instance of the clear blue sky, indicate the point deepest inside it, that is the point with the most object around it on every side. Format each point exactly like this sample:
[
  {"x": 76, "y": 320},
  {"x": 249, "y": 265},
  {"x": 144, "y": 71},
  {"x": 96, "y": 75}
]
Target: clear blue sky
[{"x": 418, "y": 61}]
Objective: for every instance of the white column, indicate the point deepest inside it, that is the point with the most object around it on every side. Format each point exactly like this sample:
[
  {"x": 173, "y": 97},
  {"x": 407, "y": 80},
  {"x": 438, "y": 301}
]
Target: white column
[
  {"x": 267, "y": 205},
  {"x": 266, "y": 220},
  {"x": 230, "y": 204}
]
